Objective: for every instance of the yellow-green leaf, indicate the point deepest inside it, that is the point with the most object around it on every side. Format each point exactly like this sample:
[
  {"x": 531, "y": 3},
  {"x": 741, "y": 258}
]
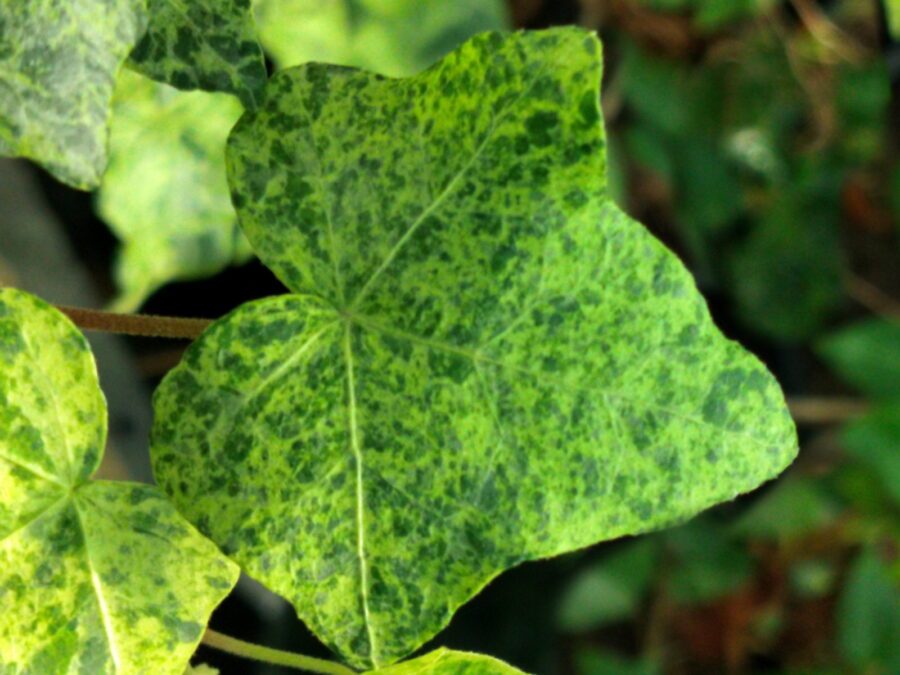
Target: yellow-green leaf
[
  {"x": 449, "y": 662},
  {"x": 95, "y": 576},
  {"x": 483, "y": 360},
  {"x": 164, "y": 193},
  {"x": 391, "y": 37},
  {"x": 58, "y": 65}
]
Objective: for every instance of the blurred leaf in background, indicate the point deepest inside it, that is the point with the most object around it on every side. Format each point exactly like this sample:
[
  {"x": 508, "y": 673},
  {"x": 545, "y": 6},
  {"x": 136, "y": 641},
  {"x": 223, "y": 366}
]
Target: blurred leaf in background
[
  {"x": 869, "y": 616},
  {"x": 786, "y": 274},
  {"x": 164, "y": 193},
  {"x": 757, "y": 124},
  {"x": 610, "y": 590},
  {"x": 603, "y": 662},
  {"x": 867, "y": 356},
  {"x": 892, "y": 8},
  {"x": 706, "y": 562},
  {"x": 794, "y": 508},
  {"x": 391, "y": 37},
  {"x": 874, "y": 440},
  {"x": 712, "y": 14}
]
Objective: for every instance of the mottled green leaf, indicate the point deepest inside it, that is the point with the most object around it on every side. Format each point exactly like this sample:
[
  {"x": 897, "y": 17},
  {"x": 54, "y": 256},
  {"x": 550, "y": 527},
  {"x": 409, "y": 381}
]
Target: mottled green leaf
[
  {"x": 58, "y": 65},
  {"x": 866, "y": 354},
  {"x": 164, "y": 193},
  {"x": 203, "y": 44},
  {"x": 449, "y": 662},
  {"x": 484, "y": 360},
  {"x": 95, "y": 576},
  {"x": 391, "y": 37}
]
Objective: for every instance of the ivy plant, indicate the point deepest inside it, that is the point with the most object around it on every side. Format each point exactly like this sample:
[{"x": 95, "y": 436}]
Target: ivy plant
[
  {"x": 480, "y": 360},
  {"x": 92, "y": 572}
]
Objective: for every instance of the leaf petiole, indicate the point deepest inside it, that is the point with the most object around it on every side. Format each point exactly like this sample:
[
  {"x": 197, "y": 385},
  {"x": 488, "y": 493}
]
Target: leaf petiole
[
  {"x": 146, "y": 325},
  {"x": 248, "y": 650}
]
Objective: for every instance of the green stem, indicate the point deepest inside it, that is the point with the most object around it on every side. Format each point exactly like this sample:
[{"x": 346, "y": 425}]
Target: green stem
[{"x": 249, "y": 650}]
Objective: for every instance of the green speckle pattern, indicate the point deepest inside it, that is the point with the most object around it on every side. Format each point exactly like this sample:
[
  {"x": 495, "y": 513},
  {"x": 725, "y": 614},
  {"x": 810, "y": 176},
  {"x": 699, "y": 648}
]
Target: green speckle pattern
[
  {"x": 95, "y": 576},
  {"x": 203, "y": 44},
  {"x": 449, "y": 662},
  {"x": 390, "y": 37},
  {"x": 58, "y": 65},
  {"x": 484, "y": 361},
  {"x": 165, "y": 194}
]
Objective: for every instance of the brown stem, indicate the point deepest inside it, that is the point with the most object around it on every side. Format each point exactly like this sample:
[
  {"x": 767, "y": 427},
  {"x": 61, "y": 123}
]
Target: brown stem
[
  {"x": 146, "y": 325},
  {"x": 825, "y": 410},
  {"x": 873, "y": 298}
]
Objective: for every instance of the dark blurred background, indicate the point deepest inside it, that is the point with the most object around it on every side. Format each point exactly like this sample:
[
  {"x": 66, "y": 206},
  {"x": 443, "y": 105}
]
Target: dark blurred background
[{"x": 759, "y": 140}]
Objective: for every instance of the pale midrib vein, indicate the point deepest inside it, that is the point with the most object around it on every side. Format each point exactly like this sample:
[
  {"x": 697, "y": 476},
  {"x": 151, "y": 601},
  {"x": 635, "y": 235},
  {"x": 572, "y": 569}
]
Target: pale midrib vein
[
  {"x": 360, "y": 497},
  {"x": 39, "y": 473},
  {"x": 450, "y": 187},
  {"x": 224, "y": 431},
  {"x": 98, "y": 592},
  {"x": 34, "y": 518},
  {"x": 423, "y": 216}
]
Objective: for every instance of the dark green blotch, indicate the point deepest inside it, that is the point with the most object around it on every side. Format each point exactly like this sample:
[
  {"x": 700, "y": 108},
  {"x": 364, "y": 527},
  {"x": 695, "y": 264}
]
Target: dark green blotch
[{"x": 540, "y": 127}]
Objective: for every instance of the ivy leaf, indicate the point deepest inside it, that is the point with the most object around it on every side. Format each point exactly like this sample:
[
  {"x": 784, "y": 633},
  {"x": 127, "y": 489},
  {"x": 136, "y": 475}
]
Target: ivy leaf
[
  {"x": 391, "y": 37},
  {"x": 203, "y": 44},
  {"x": 484, "y": 360},
  {"x": 95, "y": 576},
  {"x": 450, "y": 662},
  {"x": 165, "y": 194},
  {"x": 58, "y": 64}
]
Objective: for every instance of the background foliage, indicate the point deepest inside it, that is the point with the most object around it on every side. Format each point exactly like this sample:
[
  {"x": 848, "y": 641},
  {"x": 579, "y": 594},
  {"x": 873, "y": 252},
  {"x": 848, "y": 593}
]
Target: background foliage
[{"x": 759, "y": 139}]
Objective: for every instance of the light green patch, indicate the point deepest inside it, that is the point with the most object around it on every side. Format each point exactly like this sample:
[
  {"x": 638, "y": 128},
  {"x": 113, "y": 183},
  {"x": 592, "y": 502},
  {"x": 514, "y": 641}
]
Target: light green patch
[
  {"x": 203, "y": 44},
  {"x": 165, "y": 194},
  {"x": 484, "y": 361},
  {"x": 449, "y": 662},
  {"x": 95, "y": 576},
  {"x": 391, "y": 37},
  {"x": 892, "y": 9},
  {"x": 58, "y": 65}
]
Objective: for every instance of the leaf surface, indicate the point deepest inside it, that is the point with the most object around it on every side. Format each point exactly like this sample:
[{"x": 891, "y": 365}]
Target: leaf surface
[
  {"x": 203, "y": 44},
  {"x": 484, "y": 361},
  {"x": 95, "y": 576},
  {"x": 450, "y": 662},
  {"x": 58, "y": 65},
  {"x": 165, "y": 194},
  {"x": 391, "y": 37}
]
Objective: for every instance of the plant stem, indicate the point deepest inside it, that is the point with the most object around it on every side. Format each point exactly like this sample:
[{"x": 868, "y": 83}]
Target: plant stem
[
  {"x": 248, "y": 650},
  {"x": 146, "y": 325},
  {"x": 825, "y": 410}
]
